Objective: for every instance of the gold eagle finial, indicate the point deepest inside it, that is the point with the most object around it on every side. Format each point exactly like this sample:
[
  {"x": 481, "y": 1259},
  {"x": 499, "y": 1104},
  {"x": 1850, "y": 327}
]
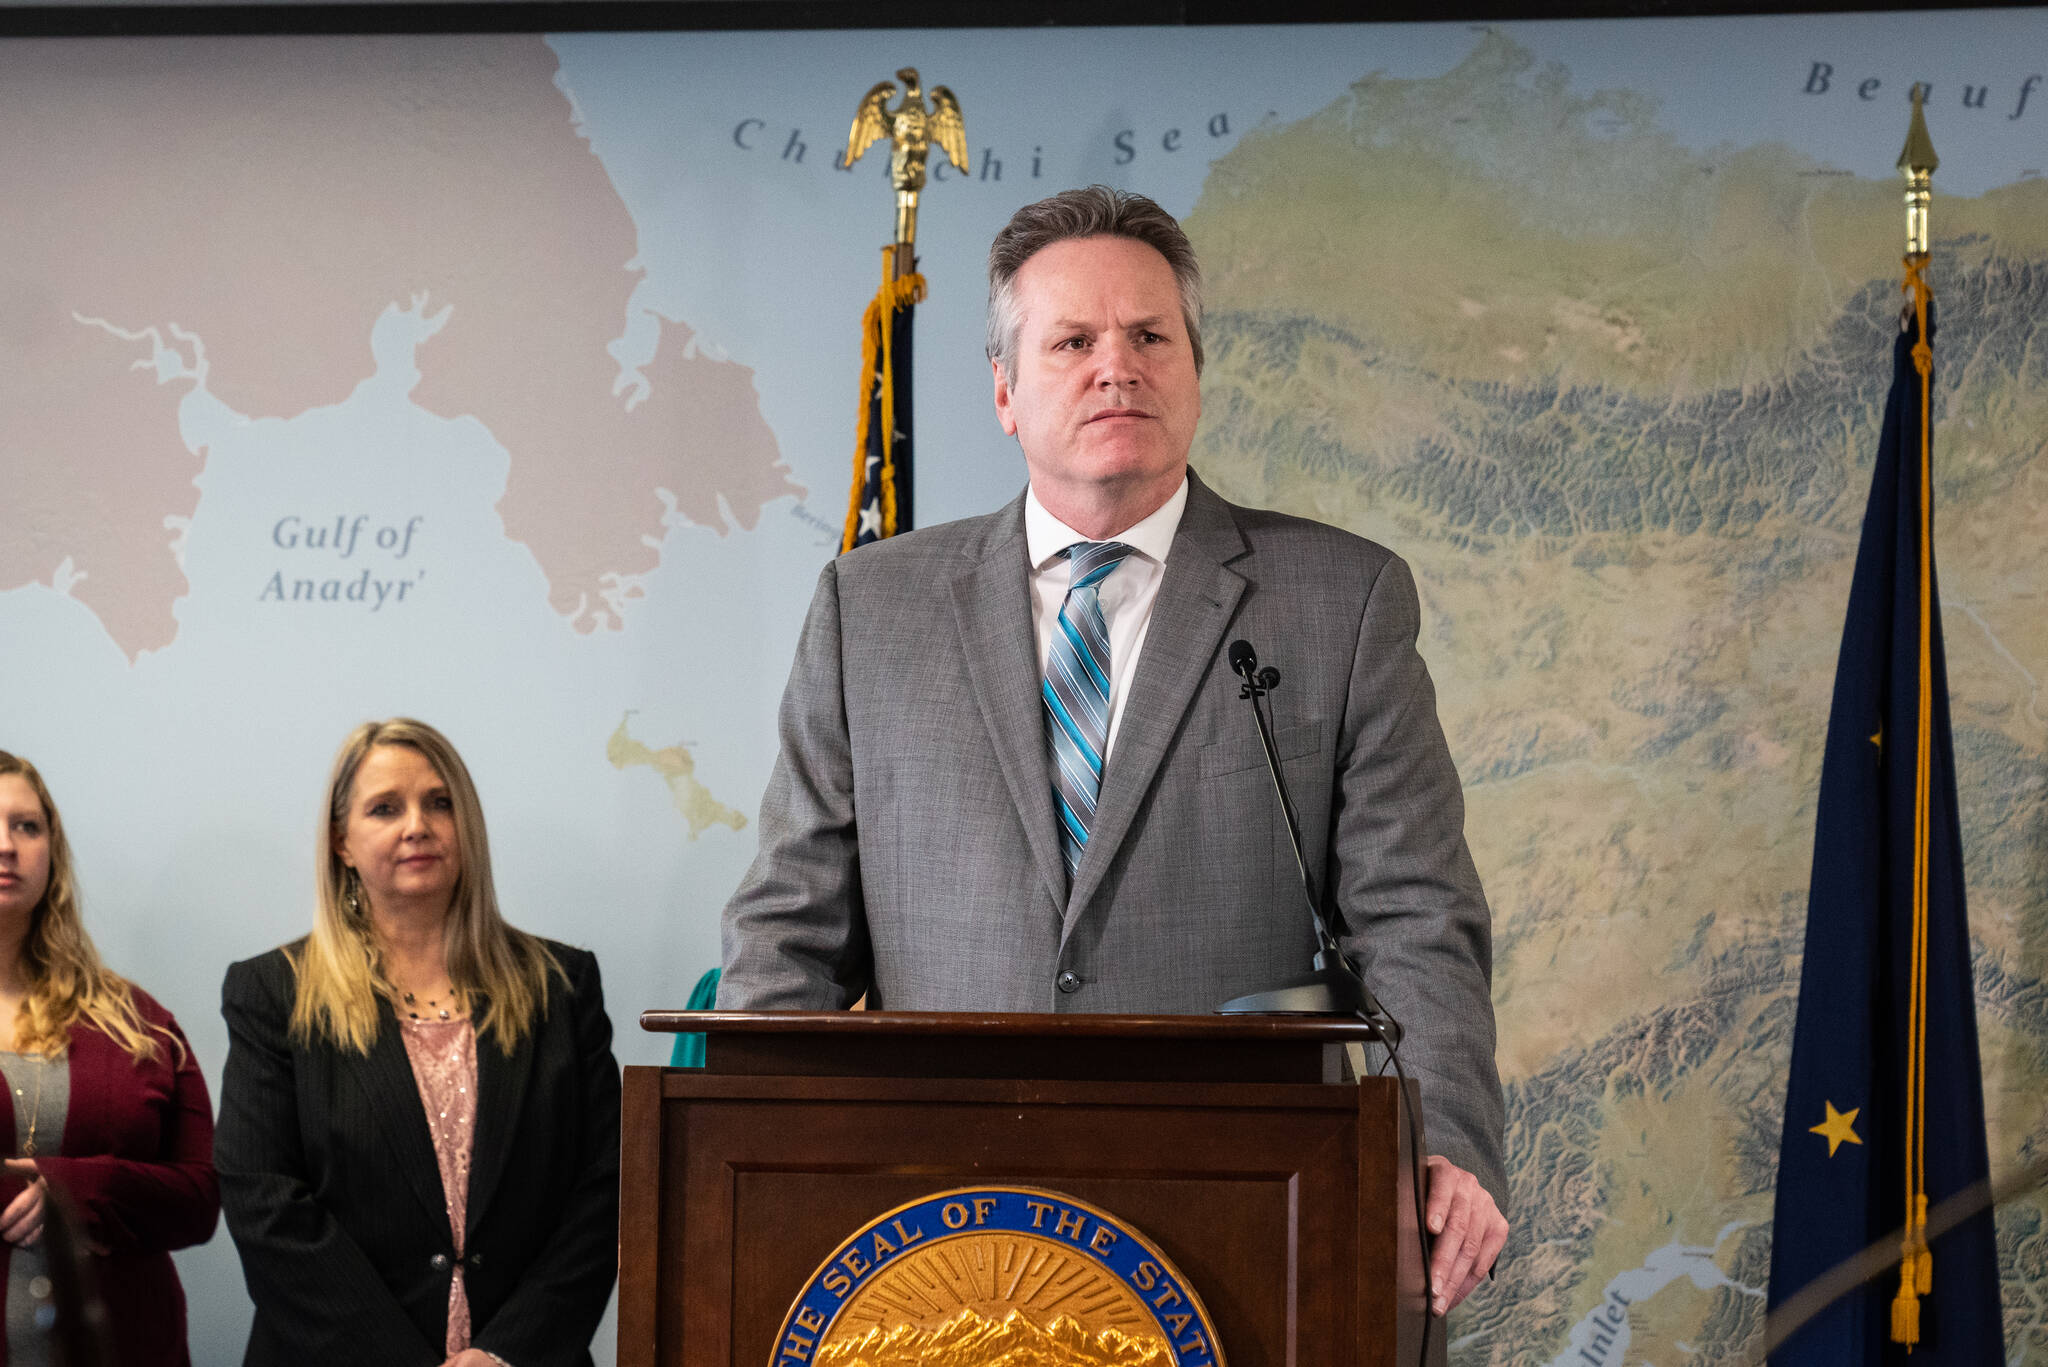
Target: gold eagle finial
[{"x": 911, "y": 129}]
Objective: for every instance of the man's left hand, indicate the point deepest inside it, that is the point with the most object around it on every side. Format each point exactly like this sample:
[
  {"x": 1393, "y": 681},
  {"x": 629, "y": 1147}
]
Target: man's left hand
[{"x": 1469, "y": 1230}]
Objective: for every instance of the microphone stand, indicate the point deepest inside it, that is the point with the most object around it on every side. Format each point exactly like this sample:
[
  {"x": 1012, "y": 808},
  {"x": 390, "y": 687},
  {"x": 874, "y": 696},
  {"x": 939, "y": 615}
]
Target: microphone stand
[{"x": 1334, "y": 988}]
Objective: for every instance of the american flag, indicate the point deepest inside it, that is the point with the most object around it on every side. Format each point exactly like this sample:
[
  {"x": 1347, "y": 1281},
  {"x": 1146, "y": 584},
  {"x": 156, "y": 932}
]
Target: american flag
[{"x": 879, "y": 504}]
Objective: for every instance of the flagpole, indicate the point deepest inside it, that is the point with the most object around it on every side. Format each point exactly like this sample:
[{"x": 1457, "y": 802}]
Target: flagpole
[
  {"x": 879, "y": 501},
  {"x": 1884, "y": 1038}
]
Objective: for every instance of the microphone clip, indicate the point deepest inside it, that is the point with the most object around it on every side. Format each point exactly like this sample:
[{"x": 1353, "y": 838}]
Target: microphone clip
[{"x": 1245, "y": 662}]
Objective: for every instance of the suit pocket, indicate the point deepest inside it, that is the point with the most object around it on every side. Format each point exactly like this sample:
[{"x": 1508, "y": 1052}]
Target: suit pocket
[{"x": 1245, "y": 752}]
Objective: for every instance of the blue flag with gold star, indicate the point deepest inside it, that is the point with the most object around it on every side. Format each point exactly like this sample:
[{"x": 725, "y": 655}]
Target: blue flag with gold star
[{"x": 1884, "y": 1112}]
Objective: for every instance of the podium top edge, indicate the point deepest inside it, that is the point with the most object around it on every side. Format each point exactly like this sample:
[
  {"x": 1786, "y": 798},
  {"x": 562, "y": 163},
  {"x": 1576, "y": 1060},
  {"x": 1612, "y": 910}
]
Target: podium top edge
[{"x": 1009, "y": 1025}]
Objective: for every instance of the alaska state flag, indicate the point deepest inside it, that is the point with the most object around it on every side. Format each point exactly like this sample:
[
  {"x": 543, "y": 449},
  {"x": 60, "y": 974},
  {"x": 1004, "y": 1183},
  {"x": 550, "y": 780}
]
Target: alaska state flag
[{"x": 1850, "y": 1109}]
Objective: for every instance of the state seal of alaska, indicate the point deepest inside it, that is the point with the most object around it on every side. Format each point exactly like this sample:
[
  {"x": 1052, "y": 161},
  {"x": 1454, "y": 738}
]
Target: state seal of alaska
[{"x": 988, "y": 1276}]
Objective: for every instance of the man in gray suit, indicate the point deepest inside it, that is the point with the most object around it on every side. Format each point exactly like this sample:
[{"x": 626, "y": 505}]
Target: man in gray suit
[{"x": 1015, "y": 770}]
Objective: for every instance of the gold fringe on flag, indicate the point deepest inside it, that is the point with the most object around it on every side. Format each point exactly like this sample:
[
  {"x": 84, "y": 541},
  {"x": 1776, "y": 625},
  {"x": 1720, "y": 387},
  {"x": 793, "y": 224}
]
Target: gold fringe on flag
[{"x": 877, "y": 369}]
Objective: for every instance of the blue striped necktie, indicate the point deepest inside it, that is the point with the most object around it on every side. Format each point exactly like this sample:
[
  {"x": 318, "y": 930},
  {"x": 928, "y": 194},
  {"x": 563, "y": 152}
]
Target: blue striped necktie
[{"x": 1076, "y": 691}]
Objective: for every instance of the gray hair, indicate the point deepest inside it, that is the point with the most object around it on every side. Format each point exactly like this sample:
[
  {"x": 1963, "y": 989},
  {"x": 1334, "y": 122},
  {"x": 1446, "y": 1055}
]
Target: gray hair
[{"x": 1097, "y": 211}]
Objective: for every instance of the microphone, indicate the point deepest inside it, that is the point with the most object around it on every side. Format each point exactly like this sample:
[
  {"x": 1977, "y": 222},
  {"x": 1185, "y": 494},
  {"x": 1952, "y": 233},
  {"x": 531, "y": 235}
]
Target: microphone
[
  {"x": 1334, "y": 988},
  {"x": 1244, "y": 660}
]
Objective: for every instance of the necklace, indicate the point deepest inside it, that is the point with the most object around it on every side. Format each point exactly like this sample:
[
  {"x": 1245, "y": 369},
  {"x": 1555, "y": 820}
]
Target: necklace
[
  {"x": 434, "y": 1004},
  {"x": 35, "y": 1114}
]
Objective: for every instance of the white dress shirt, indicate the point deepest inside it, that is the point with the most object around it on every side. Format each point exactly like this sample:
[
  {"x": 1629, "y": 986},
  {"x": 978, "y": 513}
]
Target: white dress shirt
[{"x": 1126, "y": 595}]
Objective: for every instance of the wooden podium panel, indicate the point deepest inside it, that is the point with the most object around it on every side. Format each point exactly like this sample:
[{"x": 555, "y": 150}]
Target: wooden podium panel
[{"x": 1286, "y": 1204}]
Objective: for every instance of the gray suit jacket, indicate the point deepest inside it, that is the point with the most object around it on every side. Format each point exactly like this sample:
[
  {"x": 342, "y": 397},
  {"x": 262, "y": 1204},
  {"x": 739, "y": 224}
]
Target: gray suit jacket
[{"x": 908, "y": 846}]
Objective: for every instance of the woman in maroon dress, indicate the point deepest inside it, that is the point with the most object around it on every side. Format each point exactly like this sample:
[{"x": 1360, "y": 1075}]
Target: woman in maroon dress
[{"x": 131, "y": 1142}]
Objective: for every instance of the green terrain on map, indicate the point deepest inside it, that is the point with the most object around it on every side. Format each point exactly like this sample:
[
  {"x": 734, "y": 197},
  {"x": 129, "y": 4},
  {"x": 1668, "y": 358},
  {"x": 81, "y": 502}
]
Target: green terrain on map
[{"x": 1616, "y": 401}]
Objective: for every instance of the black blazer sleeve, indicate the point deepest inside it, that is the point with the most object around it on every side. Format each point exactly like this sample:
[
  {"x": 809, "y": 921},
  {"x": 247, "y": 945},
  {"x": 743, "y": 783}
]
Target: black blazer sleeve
[
  {"x": 553, "y": 1312},
  {"x": 317, "y": 1295}
]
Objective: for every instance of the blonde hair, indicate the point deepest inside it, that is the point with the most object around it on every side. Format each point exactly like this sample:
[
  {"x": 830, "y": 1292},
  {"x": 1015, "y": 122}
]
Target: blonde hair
[
  {"x": 67, "y": 980},
  {"x": 340, "y": 975}
]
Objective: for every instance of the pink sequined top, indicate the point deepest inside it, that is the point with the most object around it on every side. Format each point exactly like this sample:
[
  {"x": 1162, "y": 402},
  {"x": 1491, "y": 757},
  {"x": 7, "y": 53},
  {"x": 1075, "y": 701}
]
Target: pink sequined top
[{"x": 443, "y": 1057}]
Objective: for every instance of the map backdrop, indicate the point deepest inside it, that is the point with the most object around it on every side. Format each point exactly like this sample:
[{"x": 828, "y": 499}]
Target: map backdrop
[{"x": 510, "y": 382}]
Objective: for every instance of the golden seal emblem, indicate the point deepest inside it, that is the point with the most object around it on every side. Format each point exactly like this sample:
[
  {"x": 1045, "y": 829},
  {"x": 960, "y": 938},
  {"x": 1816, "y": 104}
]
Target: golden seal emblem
[{"x": 988, "y": 1276}]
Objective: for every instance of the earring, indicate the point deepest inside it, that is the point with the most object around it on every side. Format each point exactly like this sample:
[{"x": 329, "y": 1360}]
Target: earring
[{"x": 350, "y": 902}]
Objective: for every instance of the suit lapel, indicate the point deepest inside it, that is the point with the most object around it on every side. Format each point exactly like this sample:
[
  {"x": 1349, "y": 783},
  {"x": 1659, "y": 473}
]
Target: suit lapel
[
  {"x": 992, "y": 609},
  {"x": 397, "y": 1110},
  {"x": 500, "y": 1093},
  {"x": 1194, "y": 607}
]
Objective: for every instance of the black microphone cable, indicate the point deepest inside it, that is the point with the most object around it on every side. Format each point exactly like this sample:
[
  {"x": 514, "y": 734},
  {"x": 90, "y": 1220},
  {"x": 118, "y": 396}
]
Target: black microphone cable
[
  {"x": 1244, "y": 662},
  {"x": 1411, "y": 1111}
]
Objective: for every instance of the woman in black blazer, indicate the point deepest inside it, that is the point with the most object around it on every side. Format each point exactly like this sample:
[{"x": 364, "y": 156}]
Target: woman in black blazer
[{"x": 418, "y": 1144}]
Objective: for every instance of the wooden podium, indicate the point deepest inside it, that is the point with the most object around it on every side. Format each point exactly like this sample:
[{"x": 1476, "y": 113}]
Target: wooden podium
[{"x": 1237, "y": 1146}]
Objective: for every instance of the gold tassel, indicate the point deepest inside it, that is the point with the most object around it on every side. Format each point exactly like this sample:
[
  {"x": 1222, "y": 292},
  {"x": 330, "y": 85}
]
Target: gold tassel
[
  {"x": 1906, "y": 1307},
  {"x": 1906, "y": 1320}
]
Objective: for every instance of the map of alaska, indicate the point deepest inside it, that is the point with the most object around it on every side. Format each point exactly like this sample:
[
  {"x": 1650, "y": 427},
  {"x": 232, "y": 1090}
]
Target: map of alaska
[
  {"x": 1616, "y": 400},
  {"x": 270, "y": 198}
]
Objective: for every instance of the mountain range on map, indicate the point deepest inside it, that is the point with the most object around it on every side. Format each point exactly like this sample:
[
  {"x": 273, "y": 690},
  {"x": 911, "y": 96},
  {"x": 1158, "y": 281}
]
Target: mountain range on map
[{"x": 1618, "y": 407}]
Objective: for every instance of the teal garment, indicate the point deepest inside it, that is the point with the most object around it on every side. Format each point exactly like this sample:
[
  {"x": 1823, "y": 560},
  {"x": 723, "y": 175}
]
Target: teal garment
[{"x": 689, "y": 1050}]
